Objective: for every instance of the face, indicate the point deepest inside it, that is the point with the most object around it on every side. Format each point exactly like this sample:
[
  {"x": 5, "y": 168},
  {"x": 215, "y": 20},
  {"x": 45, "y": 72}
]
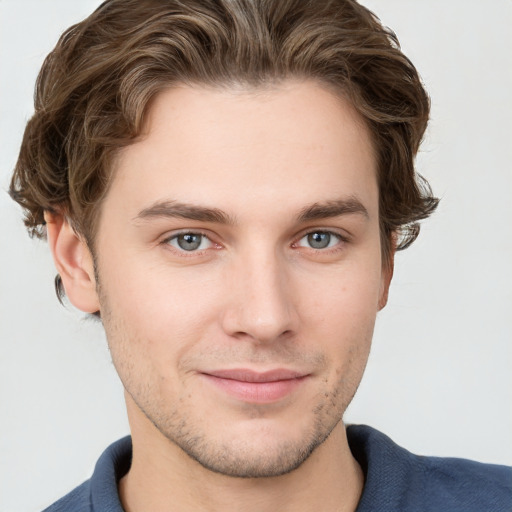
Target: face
[{"x": 239, "y": 271}]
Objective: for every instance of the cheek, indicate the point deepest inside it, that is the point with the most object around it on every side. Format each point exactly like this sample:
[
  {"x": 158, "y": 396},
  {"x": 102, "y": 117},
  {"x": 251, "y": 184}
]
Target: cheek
[
  {"x": 162, "y": 311},
  {"x": 348, "y": 297},
  {"x": 341, "y": 318}
]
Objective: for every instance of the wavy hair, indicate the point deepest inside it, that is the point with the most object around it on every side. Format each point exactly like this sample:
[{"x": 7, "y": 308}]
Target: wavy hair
[{"x": 94, "y": 89}]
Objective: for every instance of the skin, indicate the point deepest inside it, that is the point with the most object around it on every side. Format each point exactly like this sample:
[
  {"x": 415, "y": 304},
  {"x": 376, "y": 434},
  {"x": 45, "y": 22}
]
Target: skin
[{"x": 278, "y": 187}]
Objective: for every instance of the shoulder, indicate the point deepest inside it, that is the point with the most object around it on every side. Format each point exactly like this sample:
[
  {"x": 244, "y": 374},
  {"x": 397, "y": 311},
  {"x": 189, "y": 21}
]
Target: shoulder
[
  {"x": 78, "y": 500},
  {"x": 99, "y": 494},
  {"x": 400, "y": 480},
  {"x": 466, "y": 484}
]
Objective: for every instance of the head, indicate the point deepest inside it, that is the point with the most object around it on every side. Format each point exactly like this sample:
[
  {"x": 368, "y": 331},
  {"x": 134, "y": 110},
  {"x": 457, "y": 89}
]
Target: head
[
  {"x": 118, "y": 103},
  {"x": 95, "y": 87}
]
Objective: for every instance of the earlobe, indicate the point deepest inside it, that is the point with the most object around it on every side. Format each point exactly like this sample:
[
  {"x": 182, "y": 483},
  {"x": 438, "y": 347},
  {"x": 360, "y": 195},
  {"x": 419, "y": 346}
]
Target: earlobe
[
  {"x": 74, "y": 263},
  {"x": 384, "y": 291},
  {"x": 387, "y": 275}
]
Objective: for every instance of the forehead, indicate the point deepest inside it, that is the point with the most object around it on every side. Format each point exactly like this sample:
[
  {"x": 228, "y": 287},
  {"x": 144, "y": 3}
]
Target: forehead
[{"x": 290, "y": 144}]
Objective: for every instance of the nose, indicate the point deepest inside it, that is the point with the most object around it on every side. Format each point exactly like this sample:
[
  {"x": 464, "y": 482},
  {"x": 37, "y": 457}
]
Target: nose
[{"x": 261, "y": 304}]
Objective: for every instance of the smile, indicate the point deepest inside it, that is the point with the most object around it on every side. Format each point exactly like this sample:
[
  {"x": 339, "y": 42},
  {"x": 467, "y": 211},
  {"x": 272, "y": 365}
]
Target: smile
[{"x": 255, "y": 387}]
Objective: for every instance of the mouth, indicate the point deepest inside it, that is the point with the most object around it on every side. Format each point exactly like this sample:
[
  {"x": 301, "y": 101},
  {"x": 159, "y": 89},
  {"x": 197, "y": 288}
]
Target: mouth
[{"x": 256, "y": 387}]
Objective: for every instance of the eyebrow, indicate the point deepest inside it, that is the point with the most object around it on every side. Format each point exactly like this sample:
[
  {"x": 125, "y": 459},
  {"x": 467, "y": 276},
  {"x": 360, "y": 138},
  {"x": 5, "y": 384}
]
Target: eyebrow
[
  {"x": 335, "y": 208},
  {"x": 175, "y": 209},
  {"x": 316, "y": 211}
]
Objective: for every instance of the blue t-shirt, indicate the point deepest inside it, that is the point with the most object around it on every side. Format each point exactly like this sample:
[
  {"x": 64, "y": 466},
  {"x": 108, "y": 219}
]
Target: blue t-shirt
[{"x": 395, "y": 480}]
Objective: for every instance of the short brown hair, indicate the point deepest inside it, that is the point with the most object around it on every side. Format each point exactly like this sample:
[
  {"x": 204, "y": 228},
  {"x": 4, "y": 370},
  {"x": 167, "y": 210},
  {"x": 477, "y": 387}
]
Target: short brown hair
[{"x": 95, "y": 86}]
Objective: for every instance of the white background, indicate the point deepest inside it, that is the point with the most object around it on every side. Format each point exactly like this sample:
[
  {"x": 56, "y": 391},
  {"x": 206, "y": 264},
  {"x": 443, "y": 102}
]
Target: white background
[{"x": 439, "y": 378}]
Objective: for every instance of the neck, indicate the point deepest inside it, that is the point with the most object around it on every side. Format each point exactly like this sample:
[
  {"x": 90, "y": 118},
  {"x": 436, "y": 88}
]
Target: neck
[{"x": 163, "y": 478}]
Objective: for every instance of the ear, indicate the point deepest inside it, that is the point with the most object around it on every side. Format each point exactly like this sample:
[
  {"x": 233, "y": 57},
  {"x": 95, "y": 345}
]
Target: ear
[
  {"x": 74, "y": 263},
  {"x": 388, "y": 268}
]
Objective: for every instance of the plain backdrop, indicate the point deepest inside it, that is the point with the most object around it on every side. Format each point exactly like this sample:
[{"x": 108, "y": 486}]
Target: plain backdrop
[{"x": 439, "y": 377}]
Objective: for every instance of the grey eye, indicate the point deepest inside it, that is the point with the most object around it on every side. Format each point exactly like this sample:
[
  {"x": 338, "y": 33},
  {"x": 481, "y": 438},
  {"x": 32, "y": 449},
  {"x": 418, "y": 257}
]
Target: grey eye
[
  {"x": 319, "y": 240},
  {"x": 190, "y": 242}
]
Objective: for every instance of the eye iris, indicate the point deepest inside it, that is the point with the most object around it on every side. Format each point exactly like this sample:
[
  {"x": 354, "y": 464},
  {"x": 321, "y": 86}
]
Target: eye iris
[
  {"x": 319, "y": 240},
  {"x": 189, "y": 241}
]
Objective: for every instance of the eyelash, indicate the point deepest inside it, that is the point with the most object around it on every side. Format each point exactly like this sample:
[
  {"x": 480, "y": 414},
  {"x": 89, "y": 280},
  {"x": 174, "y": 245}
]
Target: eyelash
[
  {"x": 183, "y": 252},
  {"x": 341, "y": 240}
]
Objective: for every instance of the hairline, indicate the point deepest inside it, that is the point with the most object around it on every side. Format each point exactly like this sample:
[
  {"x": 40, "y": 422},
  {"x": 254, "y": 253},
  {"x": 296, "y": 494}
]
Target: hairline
[{"x": 241, "y": 87}]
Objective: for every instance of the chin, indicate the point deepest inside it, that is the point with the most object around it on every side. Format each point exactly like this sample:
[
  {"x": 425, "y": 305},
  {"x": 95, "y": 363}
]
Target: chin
[
  {"x": 252, "y": 461},
  {"x": 260, "y": 451}
]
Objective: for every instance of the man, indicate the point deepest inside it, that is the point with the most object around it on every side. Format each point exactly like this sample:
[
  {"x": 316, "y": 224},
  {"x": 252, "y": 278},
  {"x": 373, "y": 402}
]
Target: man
[{"x": 225, "y": 185}]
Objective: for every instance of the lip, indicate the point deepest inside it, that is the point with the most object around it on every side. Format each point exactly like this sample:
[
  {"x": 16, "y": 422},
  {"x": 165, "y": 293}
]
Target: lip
[{"x": 256, "y": 387}]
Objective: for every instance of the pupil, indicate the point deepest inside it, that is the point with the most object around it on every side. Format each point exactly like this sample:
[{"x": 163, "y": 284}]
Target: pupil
[
  {"x": 189, "y": 241},
  {"x": 319, "y": 240}
]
